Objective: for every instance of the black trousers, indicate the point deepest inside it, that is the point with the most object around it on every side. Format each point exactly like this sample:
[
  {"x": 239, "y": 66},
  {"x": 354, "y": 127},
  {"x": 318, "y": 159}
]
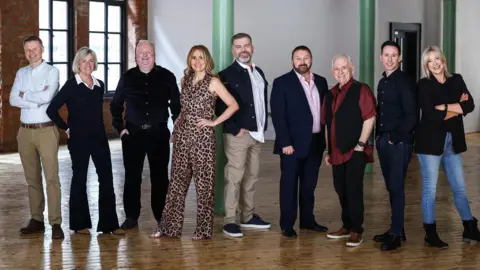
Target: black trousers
[
  {"x": 348, "y": 182},
  {"x": 298, "y": 181},
  {"x": 153, "y": 143},
  {"x": 81, "y": 148},
  {"x": 394, "y": 160}
]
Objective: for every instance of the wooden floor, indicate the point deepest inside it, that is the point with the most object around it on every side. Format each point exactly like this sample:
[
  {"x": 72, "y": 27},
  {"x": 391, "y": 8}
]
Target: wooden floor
[{"x": 257, "y": 250}]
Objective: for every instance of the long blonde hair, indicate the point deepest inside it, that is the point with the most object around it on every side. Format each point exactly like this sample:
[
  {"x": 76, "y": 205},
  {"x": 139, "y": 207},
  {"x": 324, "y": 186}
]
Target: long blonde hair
[
  {"x": 435, "y": 49},
  {"x": 209, "y": 65}
]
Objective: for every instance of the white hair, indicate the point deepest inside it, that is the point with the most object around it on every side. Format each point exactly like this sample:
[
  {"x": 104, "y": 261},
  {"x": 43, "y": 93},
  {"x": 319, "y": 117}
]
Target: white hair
[
  {"x": 80, "y": 55},
  {"x": 345, "y": 56},
  {"x": 142, "y": 41}
]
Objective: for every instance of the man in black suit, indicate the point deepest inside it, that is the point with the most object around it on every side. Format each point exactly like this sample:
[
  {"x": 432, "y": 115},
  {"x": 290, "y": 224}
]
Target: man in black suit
[
  {"x": 244, "y": 136},
  {"x": 296, "y": 101}
]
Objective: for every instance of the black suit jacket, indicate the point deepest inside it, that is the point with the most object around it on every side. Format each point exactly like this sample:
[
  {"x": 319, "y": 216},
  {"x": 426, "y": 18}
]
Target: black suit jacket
[
  {"x": 237, "y": 81},
  {"x": 291, "y": 114}
]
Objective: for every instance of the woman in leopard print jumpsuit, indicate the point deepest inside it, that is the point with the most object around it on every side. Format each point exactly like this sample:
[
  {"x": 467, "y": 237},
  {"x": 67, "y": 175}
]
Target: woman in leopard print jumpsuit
[{"x": 194, "y": 146}]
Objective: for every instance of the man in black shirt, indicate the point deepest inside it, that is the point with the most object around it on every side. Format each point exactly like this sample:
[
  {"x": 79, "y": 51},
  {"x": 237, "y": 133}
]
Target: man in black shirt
[
  {"x": 397, "y": 116},
  {"x": 148, "y": 90}
]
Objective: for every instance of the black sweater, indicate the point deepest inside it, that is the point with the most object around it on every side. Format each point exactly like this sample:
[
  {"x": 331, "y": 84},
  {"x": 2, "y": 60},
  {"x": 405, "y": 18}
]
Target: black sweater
[
  {"x": 431, "y": 132},
  {"x": 85, "y": 108}
]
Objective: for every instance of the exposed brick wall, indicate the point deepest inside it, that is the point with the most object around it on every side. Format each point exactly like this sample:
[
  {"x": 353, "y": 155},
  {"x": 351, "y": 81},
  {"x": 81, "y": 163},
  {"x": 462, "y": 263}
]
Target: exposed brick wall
[
  {"x": 23, "y": 22},
  {"x": 21, "y": 16},
  {"x": 137, "y": 26}
]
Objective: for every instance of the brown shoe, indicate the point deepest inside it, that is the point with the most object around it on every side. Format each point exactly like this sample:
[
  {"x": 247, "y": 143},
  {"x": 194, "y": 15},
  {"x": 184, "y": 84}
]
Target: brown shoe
[
  {"x": 340, "y": 234},
  {"x": 34, "y": 226},
  {"x": 119, "y": 232},
  {"x": 354, "y": 240},
  {"x": 57, "y": 232}
]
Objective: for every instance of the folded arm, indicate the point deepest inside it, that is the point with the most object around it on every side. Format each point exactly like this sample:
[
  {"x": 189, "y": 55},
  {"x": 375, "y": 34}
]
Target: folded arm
[{"x": 50, "y": 89}]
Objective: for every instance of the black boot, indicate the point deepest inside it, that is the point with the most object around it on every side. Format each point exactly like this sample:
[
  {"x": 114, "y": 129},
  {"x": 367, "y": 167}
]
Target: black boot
[
  {"x": 431, "y": 236},
  {"x": 470, "y": 232}
]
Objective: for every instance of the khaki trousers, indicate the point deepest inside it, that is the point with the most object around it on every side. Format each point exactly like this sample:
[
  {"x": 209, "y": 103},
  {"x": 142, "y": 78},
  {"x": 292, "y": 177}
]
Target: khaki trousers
[
  {"x": 241, "y": 174},
  {"x": 37, "y": 148}
]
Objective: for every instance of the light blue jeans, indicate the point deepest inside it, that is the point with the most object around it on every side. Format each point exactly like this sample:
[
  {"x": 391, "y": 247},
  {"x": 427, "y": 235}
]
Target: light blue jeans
[{"x": 452, "y": 165}]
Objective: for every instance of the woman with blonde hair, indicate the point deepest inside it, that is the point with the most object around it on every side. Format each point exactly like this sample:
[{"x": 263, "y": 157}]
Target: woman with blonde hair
[
  {"x": 194, "y": 145},
  {"x": 83, "y": 97},
  {"x": 440, "y": 139}
]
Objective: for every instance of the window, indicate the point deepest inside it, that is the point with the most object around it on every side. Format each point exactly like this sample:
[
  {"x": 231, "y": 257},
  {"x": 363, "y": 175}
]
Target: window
[
  {"x": 55, "y": 23},
  {"x": 106, "y": 37}
]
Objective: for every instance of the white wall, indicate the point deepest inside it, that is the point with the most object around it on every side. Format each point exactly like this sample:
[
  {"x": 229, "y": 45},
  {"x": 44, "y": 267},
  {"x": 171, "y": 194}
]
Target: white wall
[
  {"x": 328, "y": 27},
  {"x": 425, "y": 12},
  {"x": 467, "y": 41}
]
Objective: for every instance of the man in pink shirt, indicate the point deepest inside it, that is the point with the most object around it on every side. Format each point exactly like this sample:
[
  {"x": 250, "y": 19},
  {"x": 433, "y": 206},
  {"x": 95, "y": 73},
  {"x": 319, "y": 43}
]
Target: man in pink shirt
[{"x": 300, "y": 140}]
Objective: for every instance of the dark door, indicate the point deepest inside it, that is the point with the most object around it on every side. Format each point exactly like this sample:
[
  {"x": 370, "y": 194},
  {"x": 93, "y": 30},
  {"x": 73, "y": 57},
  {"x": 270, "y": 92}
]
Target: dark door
[{"x": 408, "y": 36}]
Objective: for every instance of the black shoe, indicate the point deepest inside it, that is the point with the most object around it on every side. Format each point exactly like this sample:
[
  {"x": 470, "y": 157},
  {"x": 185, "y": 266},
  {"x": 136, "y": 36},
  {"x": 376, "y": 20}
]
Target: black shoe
[
  {"x": 290, "y": 233},
  {"x": 232, "y": 230},
  {"x": 431, "y": 236},
  {"x": 57, "y": 232},
  {"x": 383, "y": 237},
  {"x": 392, "y": 242},
  {"x": 314, "y": 227},
  {"x": 470, "y": 232},
  {"x": 34, "y": 226},
  {"x": 129, "y": 224}
]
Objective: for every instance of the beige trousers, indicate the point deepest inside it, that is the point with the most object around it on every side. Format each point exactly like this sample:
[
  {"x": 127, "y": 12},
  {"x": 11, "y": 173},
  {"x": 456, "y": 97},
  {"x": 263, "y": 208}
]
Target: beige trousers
[
  {"x": 241, "y": 174},
  {"x": 37, "y": 148}
]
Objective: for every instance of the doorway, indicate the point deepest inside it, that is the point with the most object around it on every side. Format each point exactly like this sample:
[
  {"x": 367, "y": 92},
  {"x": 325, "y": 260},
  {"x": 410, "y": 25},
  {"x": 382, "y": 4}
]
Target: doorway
[{"x": 408, "y": 36}]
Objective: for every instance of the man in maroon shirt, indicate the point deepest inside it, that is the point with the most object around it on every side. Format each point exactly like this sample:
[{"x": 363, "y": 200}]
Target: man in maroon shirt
[{"x": 348, "y": 111}]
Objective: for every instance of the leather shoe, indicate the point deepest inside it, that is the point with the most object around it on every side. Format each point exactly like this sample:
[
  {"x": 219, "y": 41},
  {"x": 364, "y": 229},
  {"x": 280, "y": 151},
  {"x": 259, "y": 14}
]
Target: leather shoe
[
  {"x": 57, "y": 232},
  {"x": 290, "y": 233},
  {"x": 391, "y": 243},
  {"x": 314, "y": 227},
  {"x": 383, "y": 237},
  {"x": 129, "y": 224},
  {"x": 34, "y": 226}
]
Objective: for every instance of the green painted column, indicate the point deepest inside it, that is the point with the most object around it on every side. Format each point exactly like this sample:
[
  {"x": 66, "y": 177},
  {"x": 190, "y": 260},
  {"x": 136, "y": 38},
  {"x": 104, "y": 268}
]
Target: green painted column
[
  {"x": 222, "y": 32},
  {"x": 449, "y": 24},
  {"x": 367, "y": 50}
]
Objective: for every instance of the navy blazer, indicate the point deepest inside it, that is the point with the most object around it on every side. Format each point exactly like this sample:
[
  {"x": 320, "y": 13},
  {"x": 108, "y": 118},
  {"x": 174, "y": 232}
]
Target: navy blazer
[
  {"x": 291, "y": 114},
  {"x": 237, "y": 81}
]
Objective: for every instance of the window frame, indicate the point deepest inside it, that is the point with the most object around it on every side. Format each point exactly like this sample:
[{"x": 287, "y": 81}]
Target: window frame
[
  {"x": 70, "y": 36},
  {"x": 106, "y": 32}
]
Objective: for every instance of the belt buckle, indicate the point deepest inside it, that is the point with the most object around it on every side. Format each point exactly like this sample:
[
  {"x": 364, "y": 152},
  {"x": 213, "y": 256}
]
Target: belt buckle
[{"x": 145, "y": 126}]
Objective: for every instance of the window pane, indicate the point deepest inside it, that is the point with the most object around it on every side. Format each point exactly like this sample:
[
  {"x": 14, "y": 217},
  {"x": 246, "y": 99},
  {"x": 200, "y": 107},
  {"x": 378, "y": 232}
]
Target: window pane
[
  {"x": 97, "y": 16},
  {"x": 46, "y": 45},
  {"x": 60, "y": 15},
  {"x": 97, "y": 44},
  {"x": 113, "y": 76},
  {"x": 60, "y": 47},
  {"x": 113, "y": 48},
  {"x": 114, "y": 20},
  {"x": 100, "y": 72},
  {"x": 43, "y": 9},
  {"x": 63, "y": 70}
]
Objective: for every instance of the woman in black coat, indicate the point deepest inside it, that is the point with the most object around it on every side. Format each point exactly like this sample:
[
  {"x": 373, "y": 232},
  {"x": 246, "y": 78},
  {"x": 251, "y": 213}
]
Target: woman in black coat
[{"x": 440, "y": 139}]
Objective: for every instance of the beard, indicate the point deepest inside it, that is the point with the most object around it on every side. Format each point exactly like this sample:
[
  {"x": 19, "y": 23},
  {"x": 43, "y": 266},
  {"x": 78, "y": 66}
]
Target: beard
[
  {"x": 302, "y": 69},
  {"x": 244, "y": 57}
]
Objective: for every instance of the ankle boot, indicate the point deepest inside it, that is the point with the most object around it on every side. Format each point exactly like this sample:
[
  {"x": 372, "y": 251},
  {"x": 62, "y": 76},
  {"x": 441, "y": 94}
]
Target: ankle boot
[
  {"x": 470, "y": 232},
  {"x": 431, "y": 236}
]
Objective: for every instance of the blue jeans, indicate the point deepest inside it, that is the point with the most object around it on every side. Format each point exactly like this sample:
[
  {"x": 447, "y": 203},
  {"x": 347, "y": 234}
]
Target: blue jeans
[
  {"x": 452, "y": 165},
  {"x": 394, "y": 160}
]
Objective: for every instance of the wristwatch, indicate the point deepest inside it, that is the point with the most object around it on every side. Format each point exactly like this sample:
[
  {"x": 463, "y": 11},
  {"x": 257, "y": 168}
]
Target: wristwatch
[{"x": 361, "y": 144}]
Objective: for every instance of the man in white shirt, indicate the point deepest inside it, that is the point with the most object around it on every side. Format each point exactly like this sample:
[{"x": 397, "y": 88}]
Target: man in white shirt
[
  {"x": 244, "y": 136},
  {"x": 38, "y": 138}
]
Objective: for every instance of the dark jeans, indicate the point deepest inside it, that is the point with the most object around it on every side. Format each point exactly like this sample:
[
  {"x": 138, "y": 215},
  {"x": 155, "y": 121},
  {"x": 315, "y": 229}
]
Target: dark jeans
[
  {"x": 348, "y": 182},
  {"x": 301, "y": 172},
  {"x": 153, "y": 143},
  {"x": 81, "y": 147},
  {"x": 394, "y": 160}
]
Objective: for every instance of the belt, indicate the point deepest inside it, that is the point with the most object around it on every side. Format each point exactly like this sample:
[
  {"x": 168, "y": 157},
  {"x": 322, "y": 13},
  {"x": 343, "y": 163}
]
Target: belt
[{"x": 38, "y": 125}]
